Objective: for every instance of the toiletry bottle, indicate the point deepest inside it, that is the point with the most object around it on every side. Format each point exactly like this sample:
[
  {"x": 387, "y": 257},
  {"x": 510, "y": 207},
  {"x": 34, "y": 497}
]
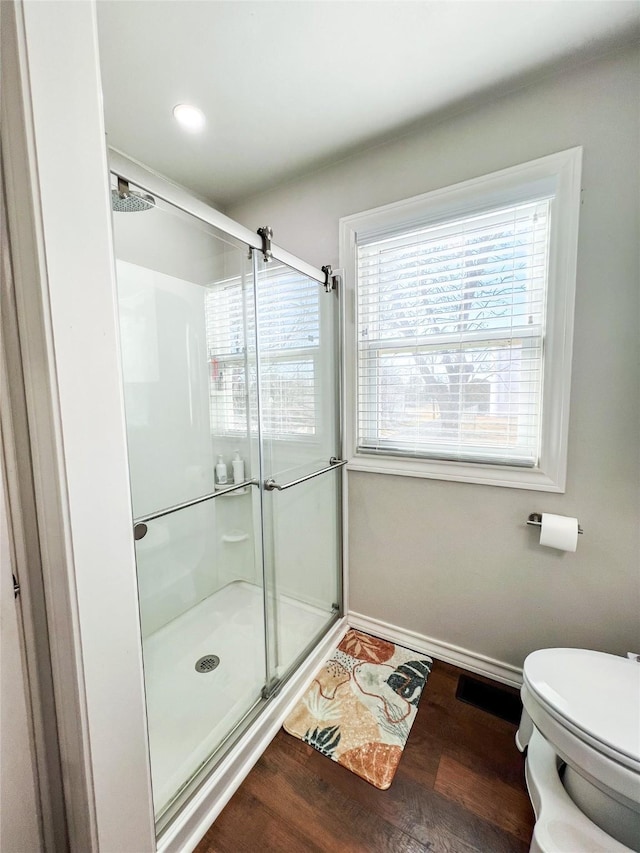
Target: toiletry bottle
[
  {"x": 238, "y": 468},
  {"x": 221, "y": 471}
]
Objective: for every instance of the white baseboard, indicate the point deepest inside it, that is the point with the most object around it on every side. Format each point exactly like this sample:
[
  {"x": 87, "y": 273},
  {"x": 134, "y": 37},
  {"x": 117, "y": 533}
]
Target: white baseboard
[
  {"x": 464, "y": 658},
  {"x": 193, "y": 821}
]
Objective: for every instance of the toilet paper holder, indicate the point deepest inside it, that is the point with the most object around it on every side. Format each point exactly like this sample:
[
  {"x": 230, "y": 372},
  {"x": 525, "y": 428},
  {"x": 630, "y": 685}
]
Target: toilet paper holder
[{"x": 535, "y": 520}]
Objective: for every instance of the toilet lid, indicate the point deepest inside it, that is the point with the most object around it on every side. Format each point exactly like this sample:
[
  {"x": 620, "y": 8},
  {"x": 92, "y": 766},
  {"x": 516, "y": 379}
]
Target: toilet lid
[{"x": 597, "y": 694}]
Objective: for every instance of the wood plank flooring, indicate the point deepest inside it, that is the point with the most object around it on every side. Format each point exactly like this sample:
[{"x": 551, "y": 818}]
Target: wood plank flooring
[{"x": 459, "y": 789}]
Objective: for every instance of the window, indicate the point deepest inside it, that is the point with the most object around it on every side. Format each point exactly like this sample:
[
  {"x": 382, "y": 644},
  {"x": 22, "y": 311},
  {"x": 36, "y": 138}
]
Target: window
[
  {"x": 289, "y": 329},
  {"x": 462, "y": 307}
]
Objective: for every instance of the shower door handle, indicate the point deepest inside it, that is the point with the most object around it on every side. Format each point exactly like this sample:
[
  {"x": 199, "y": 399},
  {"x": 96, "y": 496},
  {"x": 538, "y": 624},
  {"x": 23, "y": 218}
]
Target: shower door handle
[
  {"x": 270, "y": 484},
  {"x": 140, "y": 524}
]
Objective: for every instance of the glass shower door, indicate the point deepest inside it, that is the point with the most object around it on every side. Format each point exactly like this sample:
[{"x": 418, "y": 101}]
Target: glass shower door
[
  {"x": 298, "y": 382},
  {"x": 186, "y": 296},
  {"x": 225, "y": 358}
]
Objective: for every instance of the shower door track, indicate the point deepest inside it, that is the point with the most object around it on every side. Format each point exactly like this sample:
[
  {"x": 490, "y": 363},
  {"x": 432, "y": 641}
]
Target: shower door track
[{"x": 161, "y": 187}]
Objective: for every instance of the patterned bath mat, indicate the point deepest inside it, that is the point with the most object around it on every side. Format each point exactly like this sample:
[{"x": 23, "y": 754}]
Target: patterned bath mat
[{"x": 360, "y": 707}]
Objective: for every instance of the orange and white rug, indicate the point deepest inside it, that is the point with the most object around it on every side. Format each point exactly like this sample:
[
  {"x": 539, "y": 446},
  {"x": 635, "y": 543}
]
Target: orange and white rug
[{"x": 360, "y": 707}]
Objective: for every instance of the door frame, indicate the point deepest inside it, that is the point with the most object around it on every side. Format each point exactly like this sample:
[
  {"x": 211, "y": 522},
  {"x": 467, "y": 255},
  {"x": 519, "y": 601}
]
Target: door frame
[
  {"x": 59, "y": 217},
  {"x": 25, "y": 813}
]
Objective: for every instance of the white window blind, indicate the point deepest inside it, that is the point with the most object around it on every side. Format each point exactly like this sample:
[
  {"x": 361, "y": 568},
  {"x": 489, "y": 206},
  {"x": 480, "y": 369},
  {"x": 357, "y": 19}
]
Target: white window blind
[
  {"x": 450, "y": 337},
  {"x": 289, "y": 332},
  {"x": 226, "y": 322}
]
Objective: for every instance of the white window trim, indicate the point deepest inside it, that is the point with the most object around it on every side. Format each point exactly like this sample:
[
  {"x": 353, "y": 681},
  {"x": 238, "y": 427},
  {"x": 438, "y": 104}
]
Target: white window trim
[{"x": 564, "y": 168}]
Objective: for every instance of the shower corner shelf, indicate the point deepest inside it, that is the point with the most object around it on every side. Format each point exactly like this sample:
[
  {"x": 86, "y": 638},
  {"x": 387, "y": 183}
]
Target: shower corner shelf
[
  {"x": 235, "y": 536},
  {"x": 234, "y": 494}
]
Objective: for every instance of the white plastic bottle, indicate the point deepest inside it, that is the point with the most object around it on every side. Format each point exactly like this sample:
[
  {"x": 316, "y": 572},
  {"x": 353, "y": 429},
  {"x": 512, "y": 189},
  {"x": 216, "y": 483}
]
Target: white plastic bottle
[
  {"x": 221, "y": 472},
  {"x": 238, "y": 467}
]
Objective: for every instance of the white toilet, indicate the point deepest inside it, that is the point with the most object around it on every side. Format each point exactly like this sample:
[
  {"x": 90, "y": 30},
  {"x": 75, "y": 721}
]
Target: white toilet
[{"x": 581, "y": 728}]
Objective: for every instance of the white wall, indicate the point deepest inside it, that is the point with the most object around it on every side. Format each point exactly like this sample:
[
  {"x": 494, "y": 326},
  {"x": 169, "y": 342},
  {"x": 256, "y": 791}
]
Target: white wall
[
  {"x": 165, "y": 259},
  {"x": 453, "y": 561},
  {"x": 164, "y": 364}
]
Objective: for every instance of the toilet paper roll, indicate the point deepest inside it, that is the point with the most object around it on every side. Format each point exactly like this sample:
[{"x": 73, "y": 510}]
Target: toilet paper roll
[{"x": 559, "y": 531}]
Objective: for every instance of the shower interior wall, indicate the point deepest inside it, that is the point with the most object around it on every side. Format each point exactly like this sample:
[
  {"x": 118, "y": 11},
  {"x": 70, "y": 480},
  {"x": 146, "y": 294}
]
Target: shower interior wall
[{"x": 163, "y": 267}]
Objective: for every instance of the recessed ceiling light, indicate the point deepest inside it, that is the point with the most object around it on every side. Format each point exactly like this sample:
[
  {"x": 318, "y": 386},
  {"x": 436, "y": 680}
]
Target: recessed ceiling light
[{"x": 190, "y": 118}]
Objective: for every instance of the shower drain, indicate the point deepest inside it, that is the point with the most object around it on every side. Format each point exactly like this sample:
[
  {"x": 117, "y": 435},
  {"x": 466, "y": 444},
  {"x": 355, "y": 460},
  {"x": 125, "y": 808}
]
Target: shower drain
[{"x": 207, "y": 663}]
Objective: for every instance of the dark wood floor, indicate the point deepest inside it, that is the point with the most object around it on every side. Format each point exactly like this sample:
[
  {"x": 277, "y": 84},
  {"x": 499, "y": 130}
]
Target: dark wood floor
[{"x": 459, "y": 789}]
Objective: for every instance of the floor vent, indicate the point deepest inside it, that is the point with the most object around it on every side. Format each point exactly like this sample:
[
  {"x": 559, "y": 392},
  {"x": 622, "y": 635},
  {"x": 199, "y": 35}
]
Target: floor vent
[{"x": 503, "y": 702}]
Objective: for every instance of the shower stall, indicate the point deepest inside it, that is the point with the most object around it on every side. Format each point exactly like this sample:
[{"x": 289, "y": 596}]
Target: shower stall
[
  {"x": 230, "y": 353},
  {"x": 169, "y": 624}
]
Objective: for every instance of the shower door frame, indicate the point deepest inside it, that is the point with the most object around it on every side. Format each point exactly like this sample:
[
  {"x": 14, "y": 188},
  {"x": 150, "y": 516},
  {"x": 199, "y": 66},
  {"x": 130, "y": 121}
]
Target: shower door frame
[
  {"x": 162, "y": 188},
  {"x": 243, "y": 745}
]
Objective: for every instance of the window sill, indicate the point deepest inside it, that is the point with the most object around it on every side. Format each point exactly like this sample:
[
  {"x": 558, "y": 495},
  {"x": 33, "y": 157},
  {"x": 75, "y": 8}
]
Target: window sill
[{"x": 489, "y": 475}]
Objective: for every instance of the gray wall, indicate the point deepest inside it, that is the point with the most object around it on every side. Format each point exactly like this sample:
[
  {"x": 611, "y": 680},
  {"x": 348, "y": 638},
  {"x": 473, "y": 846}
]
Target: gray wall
[{"x": 455, "y": 561}]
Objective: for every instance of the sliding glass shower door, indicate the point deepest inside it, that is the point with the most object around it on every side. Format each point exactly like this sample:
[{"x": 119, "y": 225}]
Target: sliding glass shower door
[
  {"x": 188, "y": 357},
  {"x": 297, "y": 326},
  {"x": 231, "y": 397}
]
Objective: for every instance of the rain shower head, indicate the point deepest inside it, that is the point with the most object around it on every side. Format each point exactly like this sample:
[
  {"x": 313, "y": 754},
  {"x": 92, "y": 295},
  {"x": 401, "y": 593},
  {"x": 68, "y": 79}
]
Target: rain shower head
[{"x": 125, "y": 200}]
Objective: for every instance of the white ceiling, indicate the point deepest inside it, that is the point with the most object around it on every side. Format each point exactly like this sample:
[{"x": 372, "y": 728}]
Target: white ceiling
[{"x": 288, "y": 85}]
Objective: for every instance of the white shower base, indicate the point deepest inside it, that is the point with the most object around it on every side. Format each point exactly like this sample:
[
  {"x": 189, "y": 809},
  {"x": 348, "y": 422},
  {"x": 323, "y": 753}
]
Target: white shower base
[{"x": 190, "y": 713}]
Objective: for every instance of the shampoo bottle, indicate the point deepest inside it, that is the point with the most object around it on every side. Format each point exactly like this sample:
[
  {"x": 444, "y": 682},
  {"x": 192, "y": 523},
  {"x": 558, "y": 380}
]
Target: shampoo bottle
[
  {"x": 221, "y": 471},
  {"x": 238, "y": 468}
]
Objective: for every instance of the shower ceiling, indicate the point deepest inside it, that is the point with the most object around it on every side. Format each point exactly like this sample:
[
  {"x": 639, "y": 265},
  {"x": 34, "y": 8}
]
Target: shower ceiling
[{"x": 289, "y": 86}]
